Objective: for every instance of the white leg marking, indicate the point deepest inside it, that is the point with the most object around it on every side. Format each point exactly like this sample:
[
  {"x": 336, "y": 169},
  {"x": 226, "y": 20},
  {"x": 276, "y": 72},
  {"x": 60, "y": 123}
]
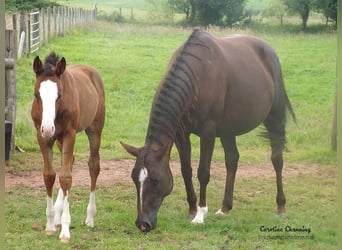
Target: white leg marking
[
  {"x": 50, "y": 213},
  {"x": 219, "y": 212},
  {"x": 142, "y": 177},
  {"x": 201, "y": 214},
  {"x": 66, "y": 219},
  {"x": 48, "y": 93},
  {"x": 91, "y": 210},
  {"x": 58, "y": 208}
]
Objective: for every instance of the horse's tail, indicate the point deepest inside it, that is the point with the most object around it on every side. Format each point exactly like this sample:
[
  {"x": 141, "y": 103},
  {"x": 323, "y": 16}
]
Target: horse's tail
[
  {"x": 280, "y": 83},
  {"x": 289, "y": 106}
]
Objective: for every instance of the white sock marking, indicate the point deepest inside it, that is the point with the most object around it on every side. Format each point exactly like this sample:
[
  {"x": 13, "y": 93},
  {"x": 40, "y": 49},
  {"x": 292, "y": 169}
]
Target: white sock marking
[
  {"x": 65, "y": 221},
  {"x": 58, "y": 207},
  {"x": 142, "y": 177},
  {"x": 50, "y": 213},
  {"x": 201, "y": 214},
  {"x": 91, "y": 210},
  {"x": 48, "y": 93}
]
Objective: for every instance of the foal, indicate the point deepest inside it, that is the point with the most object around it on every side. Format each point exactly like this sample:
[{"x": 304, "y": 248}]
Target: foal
[{"x": 68, "y": 99}]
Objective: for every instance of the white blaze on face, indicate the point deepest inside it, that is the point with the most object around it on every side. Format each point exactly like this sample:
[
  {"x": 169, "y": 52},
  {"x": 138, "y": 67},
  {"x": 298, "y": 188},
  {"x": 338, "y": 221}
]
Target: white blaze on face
[
  {"x": 142, "y": 177},
  {"x": 48, "y": 93}
]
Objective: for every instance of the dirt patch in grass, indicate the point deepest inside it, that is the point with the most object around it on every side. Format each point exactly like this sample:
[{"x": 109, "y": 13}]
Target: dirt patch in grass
[{"x": 116, "y": 171}]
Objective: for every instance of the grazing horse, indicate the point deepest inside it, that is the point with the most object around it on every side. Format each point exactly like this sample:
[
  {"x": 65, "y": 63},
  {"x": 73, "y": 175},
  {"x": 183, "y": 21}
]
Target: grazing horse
[
  {"x": 213, "y": 88},
  {"x": 68, "y": 99}
]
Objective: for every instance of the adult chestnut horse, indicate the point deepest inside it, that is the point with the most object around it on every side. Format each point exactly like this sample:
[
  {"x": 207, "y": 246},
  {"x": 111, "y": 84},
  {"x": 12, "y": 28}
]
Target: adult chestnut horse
[
  {"x": 68, "y": 99},
  {"x": 213, "y": 88}
]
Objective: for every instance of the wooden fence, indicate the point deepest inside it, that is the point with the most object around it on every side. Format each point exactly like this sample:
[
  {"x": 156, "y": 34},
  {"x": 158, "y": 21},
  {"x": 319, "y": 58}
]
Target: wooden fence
[
  {"x": 10, "y": 80},
  {"x": 42, "y": 25},
  {"x": 29, "y": 31}
]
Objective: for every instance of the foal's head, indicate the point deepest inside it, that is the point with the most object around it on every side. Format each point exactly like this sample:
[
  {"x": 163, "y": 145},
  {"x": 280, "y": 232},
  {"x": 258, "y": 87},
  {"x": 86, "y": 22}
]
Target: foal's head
[
  {"x": 47, "y": 90},
  {"x": 153, "y": 180}
]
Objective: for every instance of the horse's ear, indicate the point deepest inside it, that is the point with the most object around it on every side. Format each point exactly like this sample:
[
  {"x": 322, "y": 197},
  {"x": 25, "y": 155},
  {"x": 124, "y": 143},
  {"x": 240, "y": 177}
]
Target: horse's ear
[
  {"x": 37, "y": 66},
  {"x": 131, "y": 150},
  {"x": 60, "y": 67}
]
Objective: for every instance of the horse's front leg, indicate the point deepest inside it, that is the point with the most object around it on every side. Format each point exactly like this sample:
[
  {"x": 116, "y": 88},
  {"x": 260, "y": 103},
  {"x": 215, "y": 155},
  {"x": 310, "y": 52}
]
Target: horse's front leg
[
  {"x": 65, "y": 180},
  {"x": 207, "y": 143},
  {"x": 49, "y": 179},
  {"x": 184, "y": 149}
]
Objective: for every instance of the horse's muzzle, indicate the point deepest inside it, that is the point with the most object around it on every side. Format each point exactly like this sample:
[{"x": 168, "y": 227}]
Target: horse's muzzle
[
  {"x": 47, "y": 131},
  {"x": 144, "y": 226}
]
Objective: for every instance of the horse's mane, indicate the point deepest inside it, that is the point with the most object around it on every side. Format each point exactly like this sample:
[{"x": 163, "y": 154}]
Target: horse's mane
[
  {"x": 177, "y": 93},
  {"x": 50, "y": 63}
]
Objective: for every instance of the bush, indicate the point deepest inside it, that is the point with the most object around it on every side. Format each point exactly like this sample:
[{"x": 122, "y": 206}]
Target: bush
[{"x": 17, "y": 5}]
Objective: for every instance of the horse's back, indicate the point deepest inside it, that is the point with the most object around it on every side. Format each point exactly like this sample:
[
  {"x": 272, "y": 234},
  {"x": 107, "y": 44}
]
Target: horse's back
[{"x": 237, "y": 87}]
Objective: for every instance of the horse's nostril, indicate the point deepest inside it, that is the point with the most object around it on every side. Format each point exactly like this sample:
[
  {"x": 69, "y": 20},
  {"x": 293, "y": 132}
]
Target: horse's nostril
[{"x": 145, "y": 226}]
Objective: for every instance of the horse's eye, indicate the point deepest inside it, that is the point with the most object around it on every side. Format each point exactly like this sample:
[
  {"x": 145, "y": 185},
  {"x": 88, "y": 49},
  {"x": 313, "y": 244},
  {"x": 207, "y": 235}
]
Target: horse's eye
[
  {"x": 37, "y": 95},
  {"x": 154, "y": 182}
]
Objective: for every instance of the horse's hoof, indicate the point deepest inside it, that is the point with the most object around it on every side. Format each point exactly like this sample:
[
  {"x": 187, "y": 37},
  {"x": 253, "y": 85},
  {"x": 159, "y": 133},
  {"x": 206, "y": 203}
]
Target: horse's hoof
[
  {"x": 220, "y": 212},
  {"x": 88, "y": 223},
  {"x": 50, "y": 232},
  {"x": 197, "y": 221},
  {"x": 281, "y": 212},
  {"x": 191, "y": 216},
  {"x": 64, "y": 240},
  {"x": 282, "y": 215}
]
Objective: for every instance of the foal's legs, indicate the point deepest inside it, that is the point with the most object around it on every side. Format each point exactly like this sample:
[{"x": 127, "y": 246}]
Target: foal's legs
[
  {"x": 207, "y": 142},
  {"x": 231, "y": 160},
  {"x": 184, "y": 149},
  {"x": 49, "y": 175},
  {"x": 94, "y": 138}
]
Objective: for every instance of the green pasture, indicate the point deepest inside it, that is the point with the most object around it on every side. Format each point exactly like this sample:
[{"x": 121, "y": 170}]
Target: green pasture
[{"x": 132, "y": 60}]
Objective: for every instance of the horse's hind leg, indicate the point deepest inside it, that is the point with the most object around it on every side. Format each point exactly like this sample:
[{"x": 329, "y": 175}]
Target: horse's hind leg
[
  {"x": 275, "y": 126},
  {"x": 94, "y": 137},
  {"x": 231, "y": 160}
]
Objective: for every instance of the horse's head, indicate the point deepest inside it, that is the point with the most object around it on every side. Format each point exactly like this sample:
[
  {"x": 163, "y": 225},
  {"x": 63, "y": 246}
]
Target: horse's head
[
  {"x": 153, "y": 179},
  {"x": 47, "y": 90}
]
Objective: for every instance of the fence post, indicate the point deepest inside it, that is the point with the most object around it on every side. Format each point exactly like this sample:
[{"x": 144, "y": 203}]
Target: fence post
[
  {"x": 54, "y": 13},
  {"x": 48, "y": 24},
  {"x": 28, "y": 34},
  {"x": 42, "y": 27},
  {"x": 95, "y": 12},
  {"x": 63, "y": 20},
  {"x": 10, "y": 85},
  {"x": 23, "y": 28}
]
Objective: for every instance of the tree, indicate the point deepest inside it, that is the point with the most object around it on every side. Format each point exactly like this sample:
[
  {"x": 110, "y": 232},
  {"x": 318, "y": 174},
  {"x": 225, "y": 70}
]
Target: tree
[
  {"x": 276, "y": 8},
  {"x": 302, "y": 7},
  {"x": 233, "y": 11},
  {"x": 210, "y": 12},
  {"x": 328, "y": 8},
  {"x": 188, "y": 7}
]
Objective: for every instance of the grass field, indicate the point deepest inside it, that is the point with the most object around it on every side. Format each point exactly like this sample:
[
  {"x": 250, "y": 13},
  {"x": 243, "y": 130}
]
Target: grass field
[{"x": 132, "y": 60}]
